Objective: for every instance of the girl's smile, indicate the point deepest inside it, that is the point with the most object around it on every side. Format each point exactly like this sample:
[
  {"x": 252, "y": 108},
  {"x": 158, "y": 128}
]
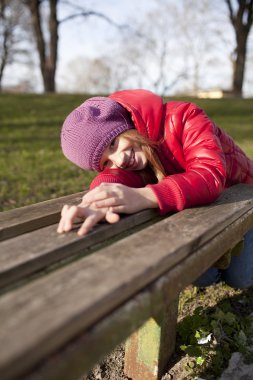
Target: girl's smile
[{"x": 123, "y": 153}]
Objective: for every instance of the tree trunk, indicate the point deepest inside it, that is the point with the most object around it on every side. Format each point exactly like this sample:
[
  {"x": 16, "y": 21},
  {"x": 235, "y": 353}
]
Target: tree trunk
[
  {"x": 47, "y": 54},
  {"x": 4, "y": 42},
  {"x": 241, "y": 22},
  {"x": 239, "y": 65},
  {"x": 53, "y": 48}
]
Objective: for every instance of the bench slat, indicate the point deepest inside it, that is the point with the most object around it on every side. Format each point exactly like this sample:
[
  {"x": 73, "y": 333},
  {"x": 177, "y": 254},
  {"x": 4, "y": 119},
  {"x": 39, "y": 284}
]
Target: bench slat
[
  {"x": 23, "y": 255},
  {"x": 26, "y": 254},
  {"x": 85, "y": 291},
  {"x": 28, "y": 218}
]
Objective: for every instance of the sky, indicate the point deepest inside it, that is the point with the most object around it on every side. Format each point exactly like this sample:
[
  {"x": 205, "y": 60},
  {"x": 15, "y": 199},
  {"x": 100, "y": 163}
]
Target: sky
[
  {"x": 93, "y": 37},
  {"x": 93, "y": 31}
]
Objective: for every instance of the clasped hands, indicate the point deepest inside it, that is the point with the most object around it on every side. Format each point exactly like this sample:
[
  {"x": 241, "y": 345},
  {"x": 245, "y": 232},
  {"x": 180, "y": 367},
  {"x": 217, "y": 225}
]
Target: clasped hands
[{"x": 105, "y": 202}]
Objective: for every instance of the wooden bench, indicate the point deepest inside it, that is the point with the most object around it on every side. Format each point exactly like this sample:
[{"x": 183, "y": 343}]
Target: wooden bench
[{"x": 67, "y": 301}]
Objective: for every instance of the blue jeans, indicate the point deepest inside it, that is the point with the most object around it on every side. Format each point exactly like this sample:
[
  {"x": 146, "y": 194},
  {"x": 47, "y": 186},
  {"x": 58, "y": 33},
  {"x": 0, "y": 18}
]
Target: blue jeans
[{"x": 239, "y": 274}]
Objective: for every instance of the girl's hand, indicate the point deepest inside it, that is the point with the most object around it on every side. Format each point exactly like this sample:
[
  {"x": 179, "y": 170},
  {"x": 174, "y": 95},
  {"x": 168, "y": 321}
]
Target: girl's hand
[
  {"x": 90, "y": 215},
  {"x": 120, "y": 198}
]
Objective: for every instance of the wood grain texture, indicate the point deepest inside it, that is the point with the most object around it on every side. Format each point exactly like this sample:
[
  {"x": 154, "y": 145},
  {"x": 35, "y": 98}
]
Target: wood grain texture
[
  {"x": 18, "y": 221},
  {"x": 44, "y": 315},
  {"x": 23, "y": 255}
]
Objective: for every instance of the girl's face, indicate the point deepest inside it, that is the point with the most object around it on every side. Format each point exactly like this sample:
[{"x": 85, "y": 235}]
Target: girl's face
[{"x": 123, "y": 153}]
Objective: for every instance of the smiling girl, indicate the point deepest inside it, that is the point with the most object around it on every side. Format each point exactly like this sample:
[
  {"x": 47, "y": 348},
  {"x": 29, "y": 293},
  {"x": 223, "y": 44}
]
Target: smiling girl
[{"x": 149, "y": 154}]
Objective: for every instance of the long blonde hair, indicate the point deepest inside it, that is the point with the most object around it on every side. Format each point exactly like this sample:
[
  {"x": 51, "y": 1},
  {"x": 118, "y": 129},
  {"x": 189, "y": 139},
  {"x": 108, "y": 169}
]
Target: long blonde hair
[{"x": 148, "y": 147}]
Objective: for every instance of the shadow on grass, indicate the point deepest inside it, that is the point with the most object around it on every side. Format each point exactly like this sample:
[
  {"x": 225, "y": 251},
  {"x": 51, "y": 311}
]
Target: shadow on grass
[
  {"x": 53, "y": 123},
  {"x": 52, "y": 138}
]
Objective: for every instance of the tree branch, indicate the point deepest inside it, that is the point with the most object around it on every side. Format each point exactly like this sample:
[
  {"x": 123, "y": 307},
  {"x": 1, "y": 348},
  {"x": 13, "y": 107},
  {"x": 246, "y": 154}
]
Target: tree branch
[
  {"x": 93, "y": 13},
  {"x": 82, "y": 12},
  {"x": 250, "y": 14},
  {"x": 34, "y": 7},
  {"x": 231, "y": 12},
  {"x": 241, "y": 9}
]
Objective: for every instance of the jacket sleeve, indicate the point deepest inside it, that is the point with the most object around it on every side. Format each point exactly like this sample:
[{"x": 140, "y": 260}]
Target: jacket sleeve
[
  {"x": 124, "y": 177},
  {"x": 205, "y": 169}
]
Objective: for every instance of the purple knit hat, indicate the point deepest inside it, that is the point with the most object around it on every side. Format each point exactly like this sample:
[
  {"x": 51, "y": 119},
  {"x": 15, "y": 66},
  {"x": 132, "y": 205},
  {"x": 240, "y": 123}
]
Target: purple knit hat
[{"x": 90, "y": 128}]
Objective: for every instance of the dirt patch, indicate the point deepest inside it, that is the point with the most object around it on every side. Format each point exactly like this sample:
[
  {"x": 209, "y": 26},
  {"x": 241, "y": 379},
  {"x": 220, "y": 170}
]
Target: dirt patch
[{"x": 112, "y": 368}]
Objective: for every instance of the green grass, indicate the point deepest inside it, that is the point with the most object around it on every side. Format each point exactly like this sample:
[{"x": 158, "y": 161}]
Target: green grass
[{"x": 32, "y": 165}]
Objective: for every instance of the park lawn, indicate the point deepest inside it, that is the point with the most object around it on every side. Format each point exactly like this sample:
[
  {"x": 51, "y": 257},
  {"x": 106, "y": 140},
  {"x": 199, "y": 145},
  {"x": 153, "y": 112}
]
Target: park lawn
[{"x": 32, "y": 166}]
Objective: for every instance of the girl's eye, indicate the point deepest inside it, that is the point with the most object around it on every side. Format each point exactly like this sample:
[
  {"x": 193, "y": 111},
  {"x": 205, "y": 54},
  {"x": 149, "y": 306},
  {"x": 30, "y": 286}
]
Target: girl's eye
[
  {"x": 113, "y": 143},
  {"x": 105, "y": 164}
]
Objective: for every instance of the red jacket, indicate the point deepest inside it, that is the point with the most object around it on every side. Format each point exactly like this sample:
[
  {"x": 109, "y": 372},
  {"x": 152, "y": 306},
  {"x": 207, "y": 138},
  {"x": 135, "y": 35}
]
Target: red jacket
[{"x": 200, "y": 159}]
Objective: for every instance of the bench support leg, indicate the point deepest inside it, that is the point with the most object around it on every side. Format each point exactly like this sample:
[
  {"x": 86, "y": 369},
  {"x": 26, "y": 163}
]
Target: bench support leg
[{"x": 147, "y": 350}]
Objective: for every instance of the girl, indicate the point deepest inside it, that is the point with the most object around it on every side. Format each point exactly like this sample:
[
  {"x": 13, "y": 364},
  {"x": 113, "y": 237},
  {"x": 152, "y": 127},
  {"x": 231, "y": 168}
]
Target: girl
[{"x": 152, "y": 155}]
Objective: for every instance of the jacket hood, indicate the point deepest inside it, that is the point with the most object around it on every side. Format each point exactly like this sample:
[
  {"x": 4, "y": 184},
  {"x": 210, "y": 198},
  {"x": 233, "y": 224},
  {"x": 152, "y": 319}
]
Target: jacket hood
[{"x": 146, "y": 109}]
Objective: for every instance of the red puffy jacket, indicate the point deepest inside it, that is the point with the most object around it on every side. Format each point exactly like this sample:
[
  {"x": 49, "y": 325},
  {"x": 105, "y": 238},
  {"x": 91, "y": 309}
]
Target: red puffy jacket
[{"x": 200, "y": 159}]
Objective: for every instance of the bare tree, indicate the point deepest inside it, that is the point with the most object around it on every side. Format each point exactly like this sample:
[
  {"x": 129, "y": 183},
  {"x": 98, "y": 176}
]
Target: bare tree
[
  {"x": 241, "y": 20},
  {"x": 47, "y": 36},
  {"x": 5, "y": 35},
  {"x": 13, "y": 31},
  {"x": 47, "y": 50},
  {"x": 144, "y": 53}
]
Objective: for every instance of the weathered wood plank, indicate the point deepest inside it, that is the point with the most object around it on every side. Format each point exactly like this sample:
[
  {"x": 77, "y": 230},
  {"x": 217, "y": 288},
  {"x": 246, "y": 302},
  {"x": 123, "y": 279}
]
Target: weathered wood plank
[
  {"x": 26, "y": 254},
  {"x": 36, "y": 250},
  {"x": 89, "y": 289},
  {"x": 18, "y": 221}
]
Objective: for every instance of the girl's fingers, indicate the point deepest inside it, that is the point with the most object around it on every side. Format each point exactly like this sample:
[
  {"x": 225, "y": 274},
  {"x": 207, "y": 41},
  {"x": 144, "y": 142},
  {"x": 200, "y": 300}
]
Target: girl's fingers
[
  {"x": 64, "y": 210},
  {"x": 104, "y": 209},
  {"x": 90, "y": 222},
  {"x": 109, "y": 202},
  {"x": 118, "y": 209},
  {"x": 112, "y": 217},
  {"x": 95, "y": 195},
  {"x": 69, "y": 213},
  {"x": 102, "y": 192},
  {"x": 70, "y": 216},
  {"x": 61, "y": 224}
]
